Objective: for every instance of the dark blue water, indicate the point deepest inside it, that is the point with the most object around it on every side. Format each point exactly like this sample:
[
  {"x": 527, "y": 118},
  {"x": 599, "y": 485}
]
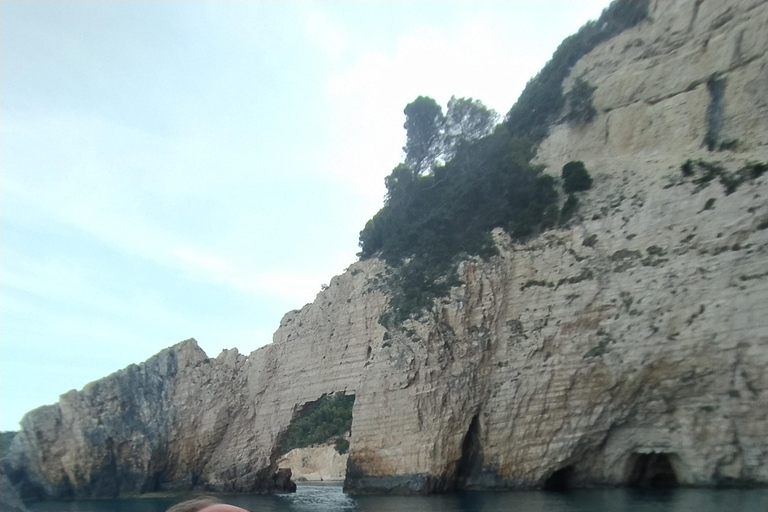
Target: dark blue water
[{"x": 329, "y": 498}]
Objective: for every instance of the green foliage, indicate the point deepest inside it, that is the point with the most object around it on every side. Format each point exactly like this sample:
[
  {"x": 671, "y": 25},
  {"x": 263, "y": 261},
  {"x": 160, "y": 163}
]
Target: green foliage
[
  {"x": 430, "y": 222},
  {"x": 542, "y": 100},
  {"x": 461, "y": 179},
  {"x": 466, "y": 120},
  {"x": 423, "y": 126},
  {"x": 730, "y": 181},
  {"x": 341, "y": 445},
  {"x": 433, "y": 138},
  {"x": 576, "y": 177},
  {"x": 5, "y": 441},
  {"x": 579, "y": 101},
  {"x": 319, "y": 422},
  {"x": 754, "y": 170}
]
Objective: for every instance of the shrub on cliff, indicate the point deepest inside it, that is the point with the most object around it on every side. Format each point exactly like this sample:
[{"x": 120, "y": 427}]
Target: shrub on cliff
[
  {"x": 576, "y": 178},
  {"x": 459, "y": 182},
  {"x": 431, "y": 221},
  {"x": 542, "y": 100},
  {"x": 579, "y": 101},
  {"x": 341, "y": 445}
]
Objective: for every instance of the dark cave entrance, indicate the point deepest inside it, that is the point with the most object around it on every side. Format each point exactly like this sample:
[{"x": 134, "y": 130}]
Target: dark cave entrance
[
  {"x": 559, "y": 481},
  {"x": 471, "y": 462},
  {"x": 652, "y": 471}
]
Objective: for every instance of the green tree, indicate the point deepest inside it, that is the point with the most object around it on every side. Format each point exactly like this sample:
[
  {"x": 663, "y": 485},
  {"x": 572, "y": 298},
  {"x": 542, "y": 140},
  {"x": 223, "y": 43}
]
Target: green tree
[
  {"x": 424, "y": 122},
  {"x": 466, "y": 120},
  {"x": 432, "y": 221}
]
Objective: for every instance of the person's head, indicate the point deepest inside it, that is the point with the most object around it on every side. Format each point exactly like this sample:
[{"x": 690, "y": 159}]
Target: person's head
[{"x": 204, "y": 504}]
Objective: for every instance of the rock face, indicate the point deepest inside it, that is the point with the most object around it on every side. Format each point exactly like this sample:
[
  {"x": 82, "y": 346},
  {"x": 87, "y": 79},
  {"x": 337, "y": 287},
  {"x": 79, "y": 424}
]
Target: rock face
[
  {"x": 629, "y": 348},
  {"x": 9, "y": 498},
  {"x": 182, "y": 420},
  {"x": 315, "y": 464}
]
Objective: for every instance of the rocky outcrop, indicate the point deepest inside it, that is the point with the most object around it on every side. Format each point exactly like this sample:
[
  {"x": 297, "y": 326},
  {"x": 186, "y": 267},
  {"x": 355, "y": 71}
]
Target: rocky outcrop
[
  {"x": 629, "y": 348},
  {"x": 315, "y": 464},
  {"x": 153, "y": 426},
  {"x": 182, "y": 420}
]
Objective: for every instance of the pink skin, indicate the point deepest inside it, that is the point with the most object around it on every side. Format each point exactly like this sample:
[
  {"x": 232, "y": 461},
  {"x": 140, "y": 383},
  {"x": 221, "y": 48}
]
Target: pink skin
[{"x": 223, "y": 508}]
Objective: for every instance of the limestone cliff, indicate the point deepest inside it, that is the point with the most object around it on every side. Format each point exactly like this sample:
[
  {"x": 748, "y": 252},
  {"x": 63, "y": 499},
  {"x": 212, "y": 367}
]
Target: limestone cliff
[
  {"x": 628, "y": 347},
  {"x": 181, "y": 420}
]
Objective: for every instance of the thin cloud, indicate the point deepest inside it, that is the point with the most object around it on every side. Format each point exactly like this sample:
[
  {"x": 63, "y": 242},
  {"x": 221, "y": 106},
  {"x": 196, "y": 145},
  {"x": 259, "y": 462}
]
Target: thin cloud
[{"x": 329, "y": 35}]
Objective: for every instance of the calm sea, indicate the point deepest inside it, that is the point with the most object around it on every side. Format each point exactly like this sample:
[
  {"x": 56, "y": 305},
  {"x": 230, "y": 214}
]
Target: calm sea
[{"x": 329, "y": 498}]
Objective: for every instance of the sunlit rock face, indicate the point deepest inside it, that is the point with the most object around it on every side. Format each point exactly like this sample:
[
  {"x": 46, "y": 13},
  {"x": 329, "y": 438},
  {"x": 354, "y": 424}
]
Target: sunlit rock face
[{"x": 628, "y": 349}]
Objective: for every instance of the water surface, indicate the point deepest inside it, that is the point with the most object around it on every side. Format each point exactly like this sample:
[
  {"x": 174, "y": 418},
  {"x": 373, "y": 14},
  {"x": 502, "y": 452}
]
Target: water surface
[{"x": 329, "y": 498}]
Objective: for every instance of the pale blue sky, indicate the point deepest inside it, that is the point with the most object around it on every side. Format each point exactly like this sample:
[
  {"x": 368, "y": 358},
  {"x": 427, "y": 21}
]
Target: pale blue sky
[{"x": 196, "y": 169}]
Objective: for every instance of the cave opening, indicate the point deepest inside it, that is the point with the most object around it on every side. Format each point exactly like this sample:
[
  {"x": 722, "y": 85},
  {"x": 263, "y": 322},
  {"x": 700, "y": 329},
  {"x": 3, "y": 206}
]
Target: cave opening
[
  {"x": 471, "y": 463},
  {"x": 652, "y": 471},
  {"x": 559, "y": 481}
]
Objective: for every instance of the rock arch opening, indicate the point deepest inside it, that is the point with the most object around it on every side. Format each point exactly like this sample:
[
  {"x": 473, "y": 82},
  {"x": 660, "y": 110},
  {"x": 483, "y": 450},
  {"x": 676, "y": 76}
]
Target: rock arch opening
[
  {"x": 559, "y": 481},
  {"x": 653, "y": 471},
  {"x": 316, "y": 443},
  {"x": 471, "y": 463}
]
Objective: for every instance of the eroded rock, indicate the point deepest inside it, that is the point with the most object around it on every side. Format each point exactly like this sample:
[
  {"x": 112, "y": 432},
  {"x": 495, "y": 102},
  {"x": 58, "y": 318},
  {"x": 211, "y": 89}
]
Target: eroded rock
[{"x": 568, "y": 360}]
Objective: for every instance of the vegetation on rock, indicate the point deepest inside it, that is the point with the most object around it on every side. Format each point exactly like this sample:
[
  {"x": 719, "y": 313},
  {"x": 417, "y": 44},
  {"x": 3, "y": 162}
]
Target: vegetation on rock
[
  {"x": 579, "y": 100},
  {"x": 341, "y": 445},
  {"x": 321, "y": 421},
  {"x": 463, "y": 176},
  {"x": 576, "y": 178},
  {"x": 431, "y": 221},
  {"x": 542, "y": 101},
  {"x": 703, "y": 172},
  {"x": 569, "y": 208}
]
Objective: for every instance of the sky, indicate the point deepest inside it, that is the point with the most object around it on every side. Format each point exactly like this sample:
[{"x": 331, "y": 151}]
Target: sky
[{"x": 185, "y": 169}]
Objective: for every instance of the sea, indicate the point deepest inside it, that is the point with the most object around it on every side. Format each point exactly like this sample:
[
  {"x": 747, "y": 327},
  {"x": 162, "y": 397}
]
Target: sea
[{"x": 330, "y": 498}]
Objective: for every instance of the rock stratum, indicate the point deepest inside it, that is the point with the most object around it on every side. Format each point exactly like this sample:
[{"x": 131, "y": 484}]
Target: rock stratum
[{"x": 629, "y": 348}]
